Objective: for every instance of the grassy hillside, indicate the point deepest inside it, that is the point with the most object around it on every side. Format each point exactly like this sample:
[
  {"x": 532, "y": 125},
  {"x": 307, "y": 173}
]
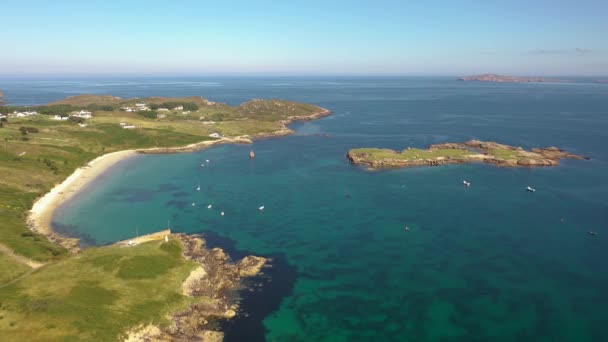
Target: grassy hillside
[{"x": 98, "y": 295}]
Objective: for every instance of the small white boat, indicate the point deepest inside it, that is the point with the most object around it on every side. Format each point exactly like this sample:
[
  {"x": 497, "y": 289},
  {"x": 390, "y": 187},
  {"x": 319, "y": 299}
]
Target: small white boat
[
  {"x": 261, "y": 208},
  {"x": 407, "y": 229},
  {"x": 466, "y": 183},
  {"x": 199, "y": 188},
  {"x": 530, "y": 189},
  {"x": 193, "y": 204},
  {"x": 202, "y": 165},
  {"x": 209, "y": 206},
  {"x": 222, "y": 213},
  {"x": 207, "y": 161}
]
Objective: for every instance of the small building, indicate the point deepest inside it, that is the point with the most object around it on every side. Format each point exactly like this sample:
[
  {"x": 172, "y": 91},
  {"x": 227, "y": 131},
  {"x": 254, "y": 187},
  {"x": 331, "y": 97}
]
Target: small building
[
  {"x": 84, "y": 114},
  {"x": 83, "y": 125},
  {"x": 128, "y": 126},
  {"x": 215, "y": 135},
  {"x": 140, "y": 105},
  {"x": 179, "y": 108},
  {"x": 59, "y": 118},
  {"x": 161, "y": 116}
]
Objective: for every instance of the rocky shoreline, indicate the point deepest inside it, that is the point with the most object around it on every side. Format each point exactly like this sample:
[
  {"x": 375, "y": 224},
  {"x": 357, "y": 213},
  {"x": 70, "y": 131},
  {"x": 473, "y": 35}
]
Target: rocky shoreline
[
  {"x": 216, "y": 281},
  {"x": 473, "y": 151}
]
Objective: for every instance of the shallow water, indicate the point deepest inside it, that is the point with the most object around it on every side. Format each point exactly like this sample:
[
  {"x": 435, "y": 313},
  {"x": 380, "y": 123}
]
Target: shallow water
[{"x": 489, "y": 262}]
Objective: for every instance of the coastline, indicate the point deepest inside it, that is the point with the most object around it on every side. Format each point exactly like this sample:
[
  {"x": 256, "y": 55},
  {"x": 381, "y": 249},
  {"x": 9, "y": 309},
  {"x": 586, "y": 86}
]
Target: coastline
[{"x": 40, "y": 216}]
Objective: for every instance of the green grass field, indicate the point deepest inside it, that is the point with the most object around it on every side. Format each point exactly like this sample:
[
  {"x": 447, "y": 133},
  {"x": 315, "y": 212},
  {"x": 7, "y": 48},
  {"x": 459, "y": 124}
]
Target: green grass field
[
  {"x": 97, "y": 295},
  {"x": 372, "y": 154}
]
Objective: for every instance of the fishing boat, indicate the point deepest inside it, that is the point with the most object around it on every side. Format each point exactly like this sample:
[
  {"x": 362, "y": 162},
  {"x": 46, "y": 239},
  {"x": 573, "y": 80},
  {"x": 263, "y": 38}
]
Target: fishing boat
[
  {"x": 466, "y": 183},
  {"x": 261, "y": 208},
  {"x": 199, "y": 187},
  {"x": 209, "y": 206},
  {"x": 222, "y": 213},
  {"x": 530, "y": 189},
  {"x": 251, "y": 154}
]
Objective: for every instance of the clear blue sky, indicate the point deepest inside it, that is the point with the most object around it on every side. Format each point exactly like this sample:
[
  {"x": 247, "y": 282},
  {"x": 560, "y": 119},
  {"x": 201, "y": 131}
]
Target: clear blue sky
[{"x": 540, "y": 37}]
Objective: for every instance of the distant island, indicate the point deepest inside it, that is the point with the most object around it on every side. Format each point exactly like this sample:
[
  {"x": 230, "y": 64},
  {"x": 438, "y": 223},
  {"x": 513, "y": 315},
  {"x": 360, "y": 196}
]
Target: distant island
[
  {"x": 507, "y": 79},
  {"x": 602, "y": 81},
  {"x": 162, "y": 286},
  {"x": 473, "y": 151}
]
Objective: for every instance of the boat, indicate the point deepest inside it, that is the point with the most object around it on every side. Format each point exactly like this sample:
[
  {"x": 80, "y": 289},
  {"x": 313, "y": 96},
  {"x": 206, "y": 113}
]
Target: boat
[
  {"x": 209, "y": 206},
  {"x": 466, "y": 183},
  {"x": 251, "y": 154},
  {"x": 199, "y": 187},
  {"x": 193, "y": 204},
  {"x": 261, "y": 208},
  {"x": 530, "y": 189},
  {"x": 591, "y": 232},
  {"x": 222, "y": 213},
  {"x": 206, "y": 160}
]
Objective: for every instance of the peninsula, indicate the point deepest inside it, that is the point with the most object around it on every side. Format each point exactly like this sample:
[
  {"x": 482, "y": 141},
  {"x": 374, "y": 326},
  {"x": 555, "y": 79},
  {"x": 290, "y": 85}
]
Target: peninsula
[
  {"x": 507, "y": 79},
  {"x": 473, "y": 151},
  {"x": 159, "y": 289}
]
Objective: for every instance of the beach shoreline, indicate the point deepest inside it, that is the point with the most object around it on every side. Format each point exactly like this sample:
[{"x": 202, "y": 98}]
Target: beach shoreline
[{"x": 40, "y": 216}]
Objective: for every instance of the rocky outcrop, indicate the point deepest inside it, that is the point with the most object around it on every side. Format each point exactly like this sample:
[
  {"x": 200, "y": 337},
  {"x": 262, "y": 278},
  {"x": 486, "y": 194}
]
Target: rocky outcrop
[
  {"x": 473, "y": 151},
  {"x": 216, "y": 282},
  {"x": 507, "y": 79}
]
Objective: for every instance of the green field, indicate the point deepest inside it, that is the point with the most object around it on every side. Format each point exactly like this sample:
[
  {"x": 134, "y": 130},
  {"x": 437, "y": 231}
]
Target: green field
[
  {"x": 372, "y": 154},
  {"x": 36, "y": 153},
  {"x": 98, "y": 295}
]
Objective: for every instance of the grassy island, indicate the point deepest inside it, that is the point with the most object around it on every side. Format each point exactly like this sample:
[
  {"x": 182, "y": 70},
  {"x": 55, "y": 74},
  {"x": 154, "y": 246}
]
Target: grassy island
[
  {"x": 47, "y": 284},
  {"x": 473, "y": 151}
]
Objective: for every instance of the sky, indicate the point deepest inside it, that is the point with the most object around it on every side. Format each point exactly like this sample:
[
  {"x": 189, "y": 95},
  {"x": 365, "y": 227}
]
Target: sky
[{"x": 374, "y": 37}]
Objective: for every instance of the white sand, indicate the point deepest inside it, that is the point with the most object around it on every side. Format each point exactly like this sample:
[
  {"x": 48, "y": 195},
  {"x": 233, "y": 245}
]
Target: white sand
[{"x": 43, "y": 209}]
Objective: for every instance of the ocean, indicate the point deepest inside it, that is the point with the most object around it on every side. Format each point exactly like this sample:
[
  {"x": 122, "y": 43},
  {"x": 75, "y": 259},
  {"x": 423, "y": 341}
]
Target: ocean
[{"x": 491, "y": 262}]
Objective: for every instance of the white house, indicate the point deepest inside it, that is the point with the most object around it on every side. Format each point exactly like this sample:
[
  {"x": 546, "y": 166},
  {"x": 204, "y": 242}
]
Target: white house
[
  {"x": 215, "y": 135},
  {"x": 179, "y": 108},
  {"x": 2, "y": 116},
  {"x": 140, "y": 105},
  {"x": 128, "y": 126},
  {"x": 85, "y": 114},
  {"x": 23, "y": 114},
  {"x": 59, "y": 118},
  {"x": 82, "y": 125}
]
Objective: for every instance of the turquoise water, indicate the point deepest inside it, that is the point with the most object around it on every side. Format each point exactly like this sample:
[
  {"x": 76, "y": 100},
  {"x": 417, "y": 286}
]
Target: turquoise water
[{"x": 489, "y": 262}]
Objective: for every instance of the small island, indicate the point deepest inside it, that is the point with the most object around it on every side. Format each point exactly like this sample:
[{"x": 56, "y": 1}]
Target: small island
[
  {"x": 473, "y": 151},
  {"x": 507, "y": 79}
]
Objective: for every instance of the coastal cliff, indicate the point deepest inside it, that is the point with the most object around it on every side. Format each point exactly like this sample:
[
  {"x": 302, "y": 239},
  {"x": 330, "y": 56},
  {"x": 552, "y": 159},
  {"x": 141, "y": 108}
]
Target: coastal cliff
[
  {"x": 507, "y": 79},
  {"x": 216, "y": 280},
  {"x": 473, "y": 151}
]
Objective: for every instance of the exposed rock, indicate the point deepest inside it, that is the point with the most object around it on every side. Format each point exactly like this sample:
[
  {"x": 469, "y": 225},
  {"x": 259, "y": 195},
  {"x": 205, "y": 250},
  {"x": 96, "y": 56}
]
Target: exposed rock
[{"x": 216, "y": 282}]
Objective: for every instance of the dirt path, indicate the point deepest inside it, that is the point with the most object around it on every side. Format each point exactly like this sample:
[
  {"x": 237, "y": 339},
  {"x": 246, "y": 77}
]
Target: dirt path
[{"x": 19, "y": 258}]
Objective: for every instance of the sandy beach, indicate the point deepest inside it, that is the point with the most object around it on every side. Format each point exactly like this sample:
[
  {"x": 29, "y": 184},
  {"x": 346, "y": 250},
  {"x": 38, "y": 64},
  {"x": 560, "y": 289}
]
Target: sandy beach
[{"x": 43, "y": 209}]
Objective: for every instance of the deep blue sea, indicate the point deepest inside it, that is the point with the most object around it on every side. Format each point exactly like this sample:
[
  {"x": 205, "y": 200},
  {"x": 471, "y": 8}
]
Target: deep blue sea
[{"x": 487, "y": 263}]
